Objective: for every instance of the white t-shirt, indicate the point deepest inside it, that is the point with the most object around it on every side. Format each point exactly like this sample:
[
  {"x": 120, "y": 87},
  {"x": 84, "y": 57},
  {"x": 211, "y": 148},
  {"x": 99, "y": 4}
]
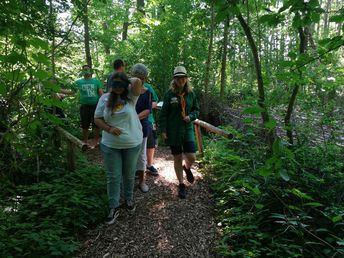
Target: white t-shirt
[{"x": 126, "y": 119}]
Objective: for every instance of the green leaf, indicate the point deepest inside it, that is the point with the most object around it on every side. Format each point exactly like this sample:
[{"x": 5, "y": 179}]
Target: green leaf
[
  {"x": 41, "y": 74},
  {"x": 271, "y": 19},
  {"x": 265, "y": 171},
  {"x": 271, "y": 124},
  {"x": 292, "y": 54},
  {"x": 337, "y": 18},
  {"x": 253, "y": 110},
  {"x": 14, "y": 58},
  {"x": 41, "y": 58},
  {"x": 259, "y": 206},
  {"x": 39, "y": 43},
  {"x": 284, "y": 174},
  {"x": 300, "y": 194},
  {"x": 337, "y": 218},
  {"x": 3, "y": 89},
  {"x": 314, "y": 204}
]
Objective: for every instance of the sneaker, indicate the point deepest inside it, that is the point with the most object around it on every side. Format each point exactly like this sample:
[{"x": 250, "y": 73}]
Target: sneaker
[
  {"x": 144, "y": 187},
  {"x": 113, "y": 214},
  {"x": 189, "y": 175},
  {"x": 182, "y": 191},
  {"x": 152, "y": 170},
  {"x": 130, "y": 206}
]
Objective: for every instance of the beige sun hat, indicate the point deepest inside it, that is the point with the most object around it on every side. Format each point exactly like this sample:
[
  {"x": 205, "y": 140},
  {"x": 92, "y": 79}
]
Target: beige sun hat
[{"x": 180, "y": 71}]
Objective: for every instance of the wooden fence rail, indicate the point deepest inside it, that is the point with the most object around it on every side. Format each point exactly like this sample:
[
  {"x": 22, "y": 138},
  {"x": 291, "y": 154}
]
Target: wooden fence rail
[
  {"x": 72, "y": 144},
  {"x": 198, "y": 124}
]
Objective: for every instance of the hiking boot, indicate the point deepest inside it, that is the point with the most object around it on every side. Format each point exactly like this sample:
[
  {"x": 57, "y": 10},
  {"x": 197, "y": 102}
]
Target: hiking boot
[
  {"x": 182, "y": 191},
  {"x": 189, "y": 175},
  {"x": 113, "y": 214},
  {"x": 152, "y": 171},
  {"x": 130, "y": 206},
  {"x": 144, "y": 187}
]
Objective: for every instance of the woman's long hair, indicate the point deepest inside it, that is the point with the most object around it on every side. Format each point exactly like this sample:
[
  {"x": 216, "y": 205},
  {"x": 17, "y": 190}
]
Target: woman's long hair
[
  {"x": 187, "y": 87},
  {"x": 113, "y": 96}
]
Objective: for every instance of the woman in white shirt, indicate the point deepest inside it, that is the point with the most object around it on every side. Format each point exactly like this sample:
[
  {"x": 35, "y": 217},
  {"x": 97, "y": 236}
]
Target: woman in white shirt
[{"x": 121, "y": 139}]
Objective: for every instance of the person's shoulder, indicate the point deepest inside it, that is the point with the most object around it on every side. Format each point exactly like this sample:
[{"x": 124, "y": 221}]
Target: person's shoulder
[
  {"x": 95, "y": 79},
  {"x": 146, "y": 84},
  {"x": 104, "y": 97},
  {"x": 79, "y": 80}
]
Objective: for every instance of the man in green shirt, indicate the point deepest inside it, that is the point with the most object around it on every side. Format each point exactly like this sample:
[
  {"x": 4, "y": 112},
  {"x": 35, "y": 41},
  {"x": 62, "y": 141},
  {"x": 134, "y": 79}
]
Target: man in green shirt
[{"x": 90, "y": 90}]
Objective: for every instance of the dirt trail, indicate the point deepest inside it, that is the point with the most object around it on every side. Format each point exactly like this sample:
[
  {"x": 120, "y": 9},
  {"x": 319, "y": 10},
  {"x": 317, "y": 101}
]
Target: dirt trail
[{"x": 163, "y": 225}]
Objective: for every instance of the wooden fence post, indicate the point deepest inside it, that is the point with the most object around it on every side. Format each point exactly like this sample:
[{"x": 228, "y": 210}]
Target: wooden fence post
[
  {"x": 70, "y": 155},
  {"x": 72, "y": 144},
  {"x": 198, "y": 134}
]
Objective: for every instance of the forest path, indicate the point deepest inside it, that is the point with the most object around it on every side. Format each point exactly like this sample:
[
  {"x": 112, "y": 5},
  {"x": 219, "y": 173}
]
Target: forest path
[{"x": 163, "y": 225}]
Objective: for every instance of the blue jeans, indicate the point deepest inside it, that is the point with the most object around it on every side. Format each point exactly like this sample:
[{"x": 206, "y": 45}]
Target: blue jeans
[{"x": 120, "y": 164}]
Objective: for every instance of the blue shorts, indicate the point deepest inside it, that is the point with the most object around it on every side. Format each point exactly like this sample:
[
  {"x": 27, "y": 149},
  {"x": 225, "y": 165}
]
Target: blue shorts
[{"x": 187, "y": 147}]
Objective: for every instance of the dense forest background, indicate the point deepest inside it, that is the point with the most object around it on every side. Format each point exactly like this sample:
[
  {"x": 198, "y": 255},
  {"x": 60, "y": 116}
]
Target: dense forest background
[{"x": 269, "y": 71}]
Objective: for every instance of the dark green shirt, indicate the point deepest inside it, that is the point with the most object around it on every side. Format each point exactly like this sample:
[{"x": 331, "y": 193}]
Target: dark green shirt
[{"x": 171, "y": 121}]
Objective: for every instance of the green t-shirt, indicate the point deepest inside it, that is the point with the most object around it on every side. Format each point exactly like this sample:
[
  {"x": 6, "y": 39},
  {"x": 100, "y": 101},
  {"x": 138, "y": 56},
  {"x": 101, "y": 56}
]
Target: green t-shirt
[
  {"x": 88, "y": 91},
  {"x": 154, "y": 99}
]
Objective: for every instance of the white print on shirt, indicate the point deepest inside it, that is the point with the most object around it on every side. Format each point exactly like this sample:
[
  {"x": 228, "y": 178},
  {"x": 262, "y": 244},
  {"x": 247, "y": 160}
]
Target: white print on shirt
[{"x": 89, "y": 88}]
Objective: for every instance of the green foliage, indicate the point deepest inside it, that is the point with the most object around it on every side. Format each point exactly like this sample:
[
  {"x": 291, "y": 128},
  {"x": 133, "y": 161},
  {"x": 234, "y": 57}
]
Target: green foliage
[
  {"x": 272, "y": 207},
  {"x": 45, "y": 218}
]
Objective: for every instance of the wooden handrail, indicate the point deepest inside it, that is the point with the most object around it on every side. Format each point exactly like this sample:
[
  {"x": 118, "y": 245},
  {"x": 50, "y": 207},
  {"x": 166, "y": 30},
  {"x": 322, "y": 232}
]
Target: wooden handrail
[
  {"x": 72, "y": 138},
  {"x": 72, "y": 142},
  {"x": 198, "y": 124},
  {"x": 213, "y": 129}
]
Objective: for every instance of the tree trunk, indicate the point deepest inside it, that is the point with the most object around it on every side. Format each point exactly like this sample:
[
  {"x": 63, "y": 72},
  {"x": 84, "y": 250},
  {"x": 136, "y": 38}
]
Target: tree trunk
[
  {"x": 87, "y": 34},
  {"x": 210, "y": 52},
  {"x": 126, "y": 22},
  {"x": 326, "y": 17},
  {"x": 224, "y": 59},
  {"x": 53, "y": 43},
  {"x": 302, "y": 49},
  {"x": 205, "y": 109},
  {"x": 140, "y": 6},
  {"x": 106, "y": 46},
  {"x": 258, "y": 69}
]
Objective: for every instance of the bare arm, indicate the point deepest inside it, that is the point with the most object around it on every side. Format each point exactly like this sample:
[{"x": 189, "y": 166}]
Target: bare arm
[
  {"x": 100, "y": 92},
  {"x": 144, "y": 114},
  {"x": 136, "y": 86},
  {"x": 106, "y": 127}
]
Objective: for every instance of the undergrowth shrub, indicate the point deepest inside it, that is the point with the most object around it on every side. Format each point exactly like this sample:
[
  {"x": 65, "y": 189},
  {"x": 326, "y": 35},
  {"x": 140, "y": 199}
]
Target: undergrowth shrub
[
  {"x": 44, "y": 219},
  {"x": 287, "y": 205}
]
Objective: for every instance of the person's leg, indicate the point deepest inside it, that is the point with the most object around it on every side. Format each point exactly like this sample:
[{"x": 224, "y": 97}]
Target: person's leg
[
  {"x": 151, "y": 143},
  {"x": 150, "y": 156},
  {"x": 141, "y": 166},
  {"x": 130, "y": 157},
  {"x": 95, "y": 128},
  {"x": 190, "y": 157},
  {"x": 113, "y": 166},
  {"x": 85, "y": 122},
  {"x": 178, "y": 168}
]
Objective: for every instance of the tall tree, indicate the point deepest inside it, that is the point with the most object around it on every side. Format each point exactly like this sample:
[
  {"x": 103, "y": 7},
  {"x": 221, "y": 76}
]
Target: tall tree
[
  {"x": 259, "y": 76},
  {"x": 86, "y": 33},
  {"x": 224, "y": 58},
  {"x": 210, "y": 50}
]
